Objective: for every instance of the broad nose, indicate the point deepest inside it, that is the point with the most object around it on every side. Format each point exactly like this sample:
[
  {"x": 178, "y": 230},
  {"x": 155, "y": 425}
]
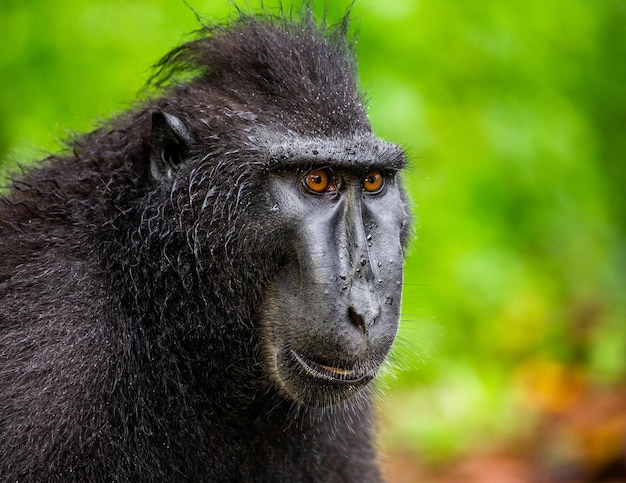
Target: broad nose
[{"x": 364, "y": 307}]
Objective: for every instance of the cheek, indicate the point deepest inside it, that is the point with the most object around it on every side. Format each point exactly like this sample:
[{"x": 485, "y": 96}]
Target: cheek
[{"x": 290, "y": 314}]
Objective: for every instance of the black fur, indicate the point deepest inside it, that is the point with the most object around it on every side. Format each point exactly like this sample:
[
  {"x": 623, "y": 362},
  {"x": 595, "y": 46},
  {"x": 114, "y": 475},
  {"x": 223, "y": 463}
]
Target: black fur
[{"x": 128, "y": 342}]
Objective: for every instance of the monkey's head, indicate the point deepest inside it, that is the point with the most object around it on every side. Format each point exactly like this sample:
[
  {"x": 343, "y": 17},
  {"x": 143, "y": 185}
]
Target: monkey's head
[{"x": 289, "y": 201}]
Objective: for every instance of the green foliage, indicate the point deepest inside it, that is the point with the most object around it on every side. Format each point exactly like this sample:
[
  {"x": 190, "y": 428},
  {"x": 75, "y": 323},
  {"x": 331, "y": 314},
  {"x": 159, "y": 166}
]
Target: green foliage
[{"x": 513, "y": 114}]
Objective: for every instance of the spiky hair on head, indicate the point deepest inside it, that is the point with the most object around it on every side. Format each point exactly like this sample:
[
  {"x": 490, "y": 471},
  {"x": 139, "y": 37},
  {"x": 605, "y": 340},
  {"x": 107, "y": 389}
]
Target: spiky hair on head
[{"x": 276, "y": 63}]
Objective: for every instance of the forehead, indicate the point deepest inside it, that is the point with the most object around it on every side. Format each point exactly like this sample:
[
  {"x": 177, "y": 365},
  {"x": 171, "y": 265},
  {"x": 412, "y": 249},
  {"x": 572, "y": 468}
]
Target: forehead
[{"x": 360, "y": 152}]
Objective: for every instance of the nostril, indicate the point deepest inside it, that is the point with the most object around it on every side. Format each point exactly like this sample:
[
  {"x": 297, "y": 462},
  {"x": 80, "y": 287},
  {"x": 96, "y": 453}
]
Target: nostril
[{"x": 355, "y": 318}]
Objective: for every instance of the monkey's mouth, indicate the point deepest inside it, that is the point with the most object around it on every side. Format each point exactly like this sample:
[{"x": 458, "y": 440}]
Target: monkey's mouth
[{"x": 331, "y": 374}]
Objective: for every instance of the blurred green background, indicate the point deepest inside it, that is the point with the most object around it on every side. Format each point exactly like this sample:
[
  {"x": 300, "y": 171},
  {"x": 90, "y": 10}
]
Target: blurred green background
[{"x": 514, "y": 117}]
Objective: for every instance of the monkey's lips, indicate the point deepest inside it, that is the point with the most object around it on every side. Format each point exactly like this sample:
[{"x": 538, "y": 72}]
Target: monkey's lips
[{"x": 332, "y": 374}]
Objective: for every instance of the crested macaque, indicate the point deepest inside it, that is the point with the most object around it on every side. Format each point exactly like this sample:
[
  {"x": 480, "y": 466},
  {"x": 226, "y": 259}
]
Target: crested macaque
[{"x": 204, "y": 288}]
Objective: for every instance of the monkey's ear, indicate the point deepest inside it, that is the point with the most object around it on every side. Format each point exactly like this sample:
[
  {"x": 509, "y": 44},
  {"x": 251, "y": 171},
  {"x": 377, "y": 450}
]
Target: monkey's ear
[{"x": 169, "y": 144}]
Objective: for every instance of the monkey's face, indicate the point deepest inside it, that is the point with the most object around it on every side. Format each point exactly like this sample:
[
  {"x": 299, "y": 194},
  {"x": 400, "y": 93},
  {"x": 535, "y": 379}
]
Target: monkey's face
[
  {"x": 331, "y": 314},
  {"x": 325, "y": 229}
]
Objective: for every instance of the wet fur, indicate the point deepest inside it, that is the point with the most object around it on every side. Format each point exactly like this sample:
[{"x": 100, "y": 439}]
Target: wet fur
[{"x": 128, "y": 349}]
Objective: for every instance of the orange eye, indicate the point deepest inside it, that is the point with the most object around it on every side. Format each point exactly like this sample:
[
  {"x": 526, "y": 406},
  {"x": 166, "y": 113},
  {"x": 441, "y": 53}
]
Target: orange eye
[
  {"x": 373, "y": 182},
  {"x": 318, "y": 181}
]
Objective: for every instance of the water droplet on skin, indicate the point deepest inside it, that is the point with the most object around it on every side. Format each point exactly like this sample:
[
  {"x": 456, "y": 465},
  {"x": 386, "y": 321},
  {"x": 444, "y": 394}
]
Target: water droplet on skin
[
  {"x": 380, "y": 264},
  {"x": 363, "y": 261},
  {"x": 369, "y": 237}
]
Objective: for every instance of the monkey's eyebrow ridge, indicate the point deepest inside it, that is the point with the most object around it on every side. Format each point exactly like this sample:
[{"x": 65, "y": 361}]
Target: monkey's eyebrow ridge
[{"x": 368, "y": 151}]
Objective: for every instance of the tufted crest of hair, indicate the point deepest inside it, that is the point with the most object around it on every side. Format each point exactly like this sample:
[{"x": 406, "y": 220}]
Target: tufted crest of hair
[{"x": 294, "y": 66}]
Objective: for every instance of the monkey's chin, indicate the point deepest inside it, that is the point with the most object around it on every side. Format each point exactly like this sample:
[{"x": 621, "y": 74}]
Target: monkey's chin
[{"x": 318, "y": 384}]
